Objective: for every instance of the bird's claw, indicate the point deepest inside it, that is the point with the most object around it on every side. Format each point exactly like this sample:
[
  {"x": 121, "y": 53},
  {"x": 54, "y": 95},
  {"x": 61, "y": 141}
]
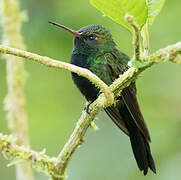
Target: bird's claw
[{"x": 87, "y": 108}]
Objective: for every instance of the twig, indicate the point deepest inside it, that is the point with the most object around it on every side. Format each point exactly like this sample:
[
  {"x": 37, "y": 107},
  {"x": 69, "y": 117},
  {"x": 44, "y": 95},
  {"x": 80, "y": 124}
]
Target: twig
[
  {"x": 76, "y": 138},
  {"x": 59, "y": 64},
  {"x": 170, "y": 53},
  {"x": 14, "y": 152},
  {"x": 136, "y": 36}
]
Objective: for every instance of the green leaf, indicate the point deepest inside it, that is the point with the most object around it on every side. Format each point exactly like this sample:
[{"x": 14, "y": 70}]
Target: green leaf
[
  {"x": 117, "y": 9},
  {"x": 137, "y": 64},
  {"x": 144, "y": 13},
  {"x": 154, "y": 8}
]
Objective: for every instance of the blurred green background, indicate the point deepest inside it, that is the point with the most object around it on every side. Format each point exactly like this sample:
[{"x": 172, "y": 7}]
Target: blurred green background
[{"x": 54, "y": 104}]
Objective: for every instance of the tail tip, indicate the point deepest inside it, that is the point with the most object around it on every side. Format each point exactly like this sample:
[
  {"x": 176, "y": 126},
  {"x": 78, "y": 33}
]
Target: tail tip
[
  {"x": 145, "y": 171},
  {"x": 153, "y": 169}
]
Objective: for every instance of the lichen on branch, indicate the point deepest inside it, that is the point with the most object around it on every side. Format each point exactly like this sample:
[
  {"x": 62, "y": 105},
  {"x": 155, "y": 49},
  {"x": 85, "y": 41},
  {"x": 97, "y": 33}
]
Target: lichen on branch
[
  {"x": 12, "y": 18},
  {"x": 63, "y": 65},
  {"x": 16, "y": 153}
]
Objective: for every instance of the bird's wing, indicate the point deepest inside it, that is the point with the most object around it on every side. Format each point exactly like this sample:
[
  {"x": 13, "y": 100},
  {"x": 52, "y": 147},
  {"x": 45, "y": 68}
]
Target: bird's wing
[
  {"x": 114, "y": 114},
  {"x": 128, "y": 95},
  {"x": 129, "y": 98}
]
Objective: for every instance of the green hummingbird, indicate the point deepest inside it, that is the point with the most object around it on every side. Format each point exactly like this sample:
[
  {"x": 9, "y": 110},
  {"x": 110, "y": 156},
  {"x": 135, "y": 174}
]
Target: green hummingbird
[{"x": 94, "y": 49}]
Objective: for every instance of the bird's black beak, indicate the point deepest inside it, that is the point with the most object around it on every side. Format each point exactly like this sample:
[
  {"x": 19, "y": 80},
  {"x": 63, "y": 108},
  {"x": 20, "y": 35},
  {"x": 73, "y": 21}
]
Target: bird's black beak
[{"x": 75, "y": 33}]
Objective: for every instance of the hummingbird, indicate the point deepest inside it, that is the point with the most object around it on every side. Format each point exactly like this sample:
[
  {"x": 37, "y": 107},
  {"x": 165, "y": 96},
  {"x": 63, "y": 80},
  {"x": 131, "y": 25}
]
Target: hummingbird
[{"x": 95, "y": 49}]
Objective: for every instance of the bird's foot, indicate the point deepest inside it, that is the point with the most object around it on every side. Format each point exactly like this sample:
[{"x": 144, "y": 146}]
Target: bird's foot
[{"x": 87, "y": 108}]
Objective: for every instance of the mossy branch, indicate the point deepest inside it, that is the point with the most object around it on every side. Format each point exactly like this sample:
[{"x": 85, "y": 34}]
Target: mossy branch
[
  {"x": 15, "y": 100},
  {"x": 59, "y": 64},
  {"x": 56, "y": 167},
  {"x": 14, "y": 152},
  {"x": 136, "y": 36}
]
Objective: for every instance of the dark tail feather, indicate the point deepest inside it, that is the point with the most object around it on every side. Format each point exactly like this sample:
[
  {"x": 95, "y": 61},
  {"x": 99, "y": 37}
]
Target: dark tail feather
[
  {"x": 140, "y": 146},
  {"x": 141, "y": 150},
  {"x": 150, "y": 158}
]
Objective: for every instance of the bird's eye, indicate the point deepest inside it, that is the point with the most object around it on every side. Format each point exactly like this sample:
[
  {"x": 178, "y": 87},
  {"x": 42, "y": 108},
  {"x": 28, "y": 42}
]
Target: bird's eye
[{"x": 92, "y": 37}]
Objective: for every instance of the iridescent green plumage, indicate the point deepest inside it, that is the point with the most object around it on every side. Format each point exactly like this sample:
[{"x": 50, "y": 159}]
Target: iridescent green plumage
[{"x": 95, "y": 50}]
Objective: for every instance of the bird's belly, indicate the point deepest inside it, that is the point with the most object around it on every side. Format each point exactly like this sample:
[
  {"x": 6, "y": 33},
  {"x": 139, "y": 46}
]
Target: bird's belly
[{"x": 86, "y": 87}]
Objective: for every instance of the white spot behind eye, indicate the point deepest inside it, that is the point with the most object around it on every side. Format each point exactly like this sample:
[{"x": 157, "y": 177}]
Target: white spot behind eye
[{"x": 92, "y": 37}]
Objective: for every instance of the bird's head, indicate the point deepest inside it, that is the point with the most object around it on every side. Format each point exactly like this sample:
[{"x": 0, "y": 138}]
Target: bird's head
[{"x": 91, "y": 39}]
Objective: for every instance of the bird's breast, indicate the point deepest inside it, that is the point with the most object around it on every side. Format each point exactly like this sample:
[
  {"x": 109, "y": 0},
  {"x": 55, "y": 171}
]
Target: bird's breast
[{"x": 83, "y": 84}]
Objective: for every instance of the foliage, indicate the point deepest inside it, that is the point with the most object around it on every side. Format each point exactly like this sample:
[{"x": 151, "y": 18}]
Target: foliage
[{"x": 144, "y": 13}]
